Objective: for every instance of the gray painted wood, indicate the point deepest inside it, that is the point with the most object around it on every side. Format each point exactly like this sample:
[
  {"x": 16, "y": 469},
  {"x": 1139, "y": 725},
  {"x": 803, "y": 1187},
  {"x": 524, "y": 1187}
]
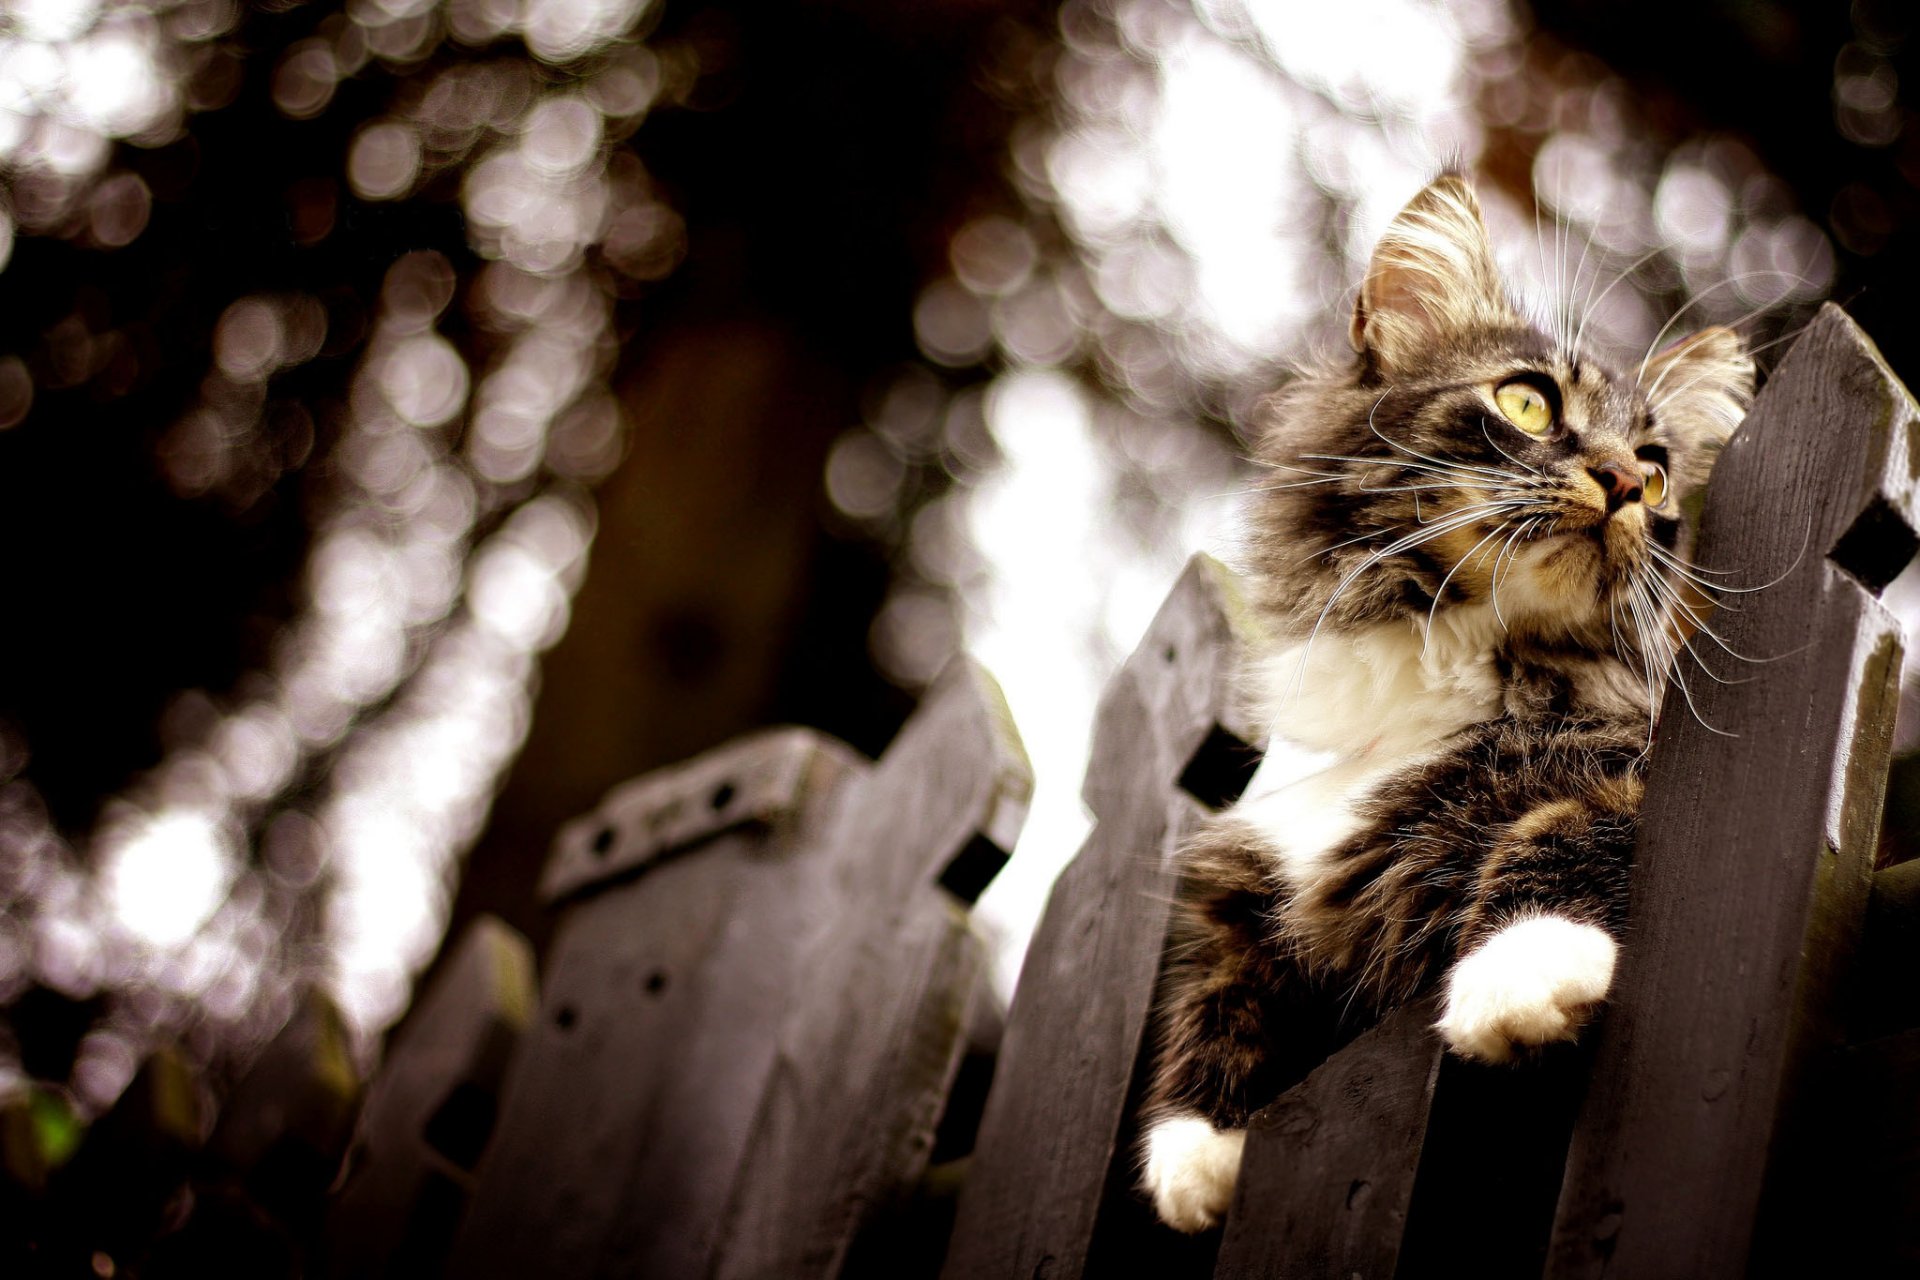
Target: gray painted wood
[
  {"x": 755, "y": 1003},
  {"x": 430, "y": 1111},
  {"x": 580, "y": 1103},
  {"x": 1052, "y": 1143},
  {"x": 1489, "y": 1177},
  {"x": 1755, "y": 853},
  {"x": 632, "y": 1002},
  {"x": 1329, "y": 1168},
  {"x": 653, "y": 1042},
  {"x": 678, "y": 1186},
  {"x": 892, "y": 970},
  {"x": 757, "y": 779}
]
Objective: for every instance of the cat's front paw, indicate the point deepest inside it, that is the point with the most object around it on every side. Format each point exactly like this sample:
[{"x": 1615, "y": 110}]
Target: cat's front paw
[
  {"x": 1190, "y": 1171},
  {"x": 1535, "y": 981}
]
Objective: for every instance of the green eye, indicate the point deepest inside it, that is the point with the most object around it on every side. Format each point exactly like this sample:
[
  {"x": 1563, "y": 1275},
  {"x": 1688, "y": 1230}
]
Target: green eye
[
  {"x": 1524, "y": 407},
  {"x": 1653, "y": 483}
]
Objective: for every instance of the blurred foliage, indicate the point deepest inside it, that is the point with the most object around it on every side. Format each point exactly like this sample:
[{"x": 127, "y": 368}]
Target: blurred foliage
[{"x": 325, "y": 322}]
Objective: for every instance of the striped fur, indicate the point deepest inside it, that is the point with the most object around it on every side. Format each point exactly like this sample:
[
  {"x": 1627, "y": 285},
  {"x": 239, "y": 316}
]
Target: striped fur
[{"x": 1472, "y": 628}]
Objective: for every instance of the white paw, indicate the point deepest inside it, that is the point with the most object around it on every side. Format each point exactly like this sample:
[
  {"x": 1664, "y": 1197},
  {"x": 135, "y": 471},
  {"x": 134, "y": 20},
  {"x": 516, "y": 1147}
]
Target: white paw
[
  {"x": 1532, "y": 982},
  {"x": 1190, "y": 1171}
]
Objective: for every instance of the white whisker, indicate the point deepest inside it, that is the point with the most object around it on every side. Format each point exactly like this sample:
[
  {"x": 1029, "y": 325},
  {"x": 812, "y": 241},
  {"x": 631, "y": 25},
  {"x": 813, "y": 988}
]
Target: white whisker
[
  {"x": 1415, "y": 453},
  {"x": 1441, "y": 592},
  {"x": 1695, "y": 301},
  {"x": 1443, "y": 526},
  {"x": 1347, "y": 542},
  {"x": 1503, "y": 453},
  {"x": 1594, "y": 303},
  {"x": 1681, "y": 567}
]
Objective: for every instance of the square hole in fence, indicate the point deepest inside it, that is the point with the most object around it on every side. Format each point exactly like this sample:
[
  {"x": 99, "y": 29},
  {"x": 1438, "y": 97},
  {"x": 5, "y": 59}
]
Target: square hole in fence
[
  {"x": 460, "y": 1125},
  {"x": 1876, "y": 546},
  {"x": 1220, "y": 770},
  {"x": 973, "y": 869}
]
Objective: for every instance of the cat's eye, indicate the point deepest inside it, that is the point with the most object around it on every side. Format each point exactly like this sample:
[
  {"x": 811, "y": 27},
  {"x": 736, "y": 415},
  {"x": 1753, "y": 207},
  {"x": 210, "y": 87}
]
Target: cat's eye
[
  {"x": 1525, "y": 406},
  {"x": 1653, "y": 483}
]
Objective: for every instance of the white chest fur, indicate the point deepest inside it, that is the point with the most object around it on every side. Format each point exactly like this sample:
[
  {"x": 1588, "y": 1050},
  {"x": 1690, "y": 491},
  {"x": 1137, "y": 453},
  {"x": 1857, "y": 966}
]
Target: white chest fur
[{"x": 1350, "y": 711}]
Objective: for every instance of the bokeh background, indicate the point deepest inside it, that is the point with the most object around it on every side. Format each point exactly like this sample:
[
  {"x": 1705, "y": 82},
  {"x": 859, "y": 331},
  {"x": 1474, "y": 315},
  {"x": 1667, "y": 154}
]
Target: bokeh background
[{"x": 417, "y": 416}]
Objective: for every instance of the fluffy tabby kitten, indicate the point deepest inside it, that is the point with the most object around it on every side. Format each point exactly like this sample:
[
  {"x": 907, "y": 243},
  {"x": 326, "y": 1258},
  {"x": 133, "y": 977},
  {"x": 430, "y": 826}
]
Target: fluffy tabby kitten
[{"x": 1474, "y": 589}]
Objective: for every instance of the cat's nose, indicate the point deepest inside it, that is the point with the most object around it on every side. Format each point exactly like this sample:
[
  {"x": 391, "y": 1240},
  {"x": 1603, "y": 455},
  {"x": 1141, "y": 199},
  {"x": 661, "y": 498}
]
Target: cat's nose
[{"x": 1619, "y": 482}]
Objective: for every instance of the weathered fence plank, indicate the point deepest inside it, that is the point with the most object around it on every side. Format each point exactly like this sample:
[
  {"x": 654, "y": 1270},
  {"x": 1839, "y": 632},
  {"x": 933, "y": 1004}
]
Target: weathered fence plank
[
  {"x": 1490, "y": 1168},
  {"x": 286, "y": 1124},
  {"x": 1755, "y": 852},
  {"x": 1053, "y": 1141},
  {"x": 758, "y": 781},
  {"x": 892, "y": 968},
  {"x": 1329, "y": 1167},
  {"x": 679, "y": 1187},
  {"x": 649, "y": 980},
  {"x": 430, "y": 1111},
  {"x": 134, "y": 1161},
  {"x": 755, "y": 1003}
]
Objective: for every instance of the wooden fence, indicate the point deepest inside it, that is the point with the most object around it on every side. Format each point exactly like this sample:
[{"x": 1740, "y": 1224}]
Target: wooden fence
[{"x": 763, "y": 1029}]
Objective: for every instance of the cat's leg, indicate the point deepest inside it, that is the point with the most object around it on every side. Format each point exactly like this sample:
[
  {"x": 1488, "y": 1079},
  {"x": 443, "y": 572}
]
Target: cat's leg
[
  {"x": 1543, "y": 926},
  {"x": 1229, "y": 988}
]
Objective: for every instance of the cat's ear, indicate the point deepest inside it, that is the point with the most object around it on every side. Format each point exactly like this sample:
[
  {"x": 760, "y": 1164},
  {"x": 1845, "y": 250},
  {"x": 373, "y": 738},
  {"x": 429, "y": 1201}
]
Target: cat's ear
[
  {"x": 1699, "y": 390},
  {"x": 1432, "y": 273}
]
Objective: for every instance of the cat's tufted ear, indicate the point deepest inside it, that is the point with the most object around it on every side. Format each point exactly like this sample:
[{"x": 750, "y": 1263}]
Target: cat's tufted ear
[
  {"x": 1699, "y": 390},
  {"x": 1432, "y": 274}
]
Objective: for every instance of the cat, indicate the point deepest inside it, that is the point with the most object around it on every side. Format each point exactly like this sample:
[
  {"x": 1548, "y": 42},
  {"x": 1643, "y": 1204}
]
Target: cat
[{"x": 1472, "y": 554}]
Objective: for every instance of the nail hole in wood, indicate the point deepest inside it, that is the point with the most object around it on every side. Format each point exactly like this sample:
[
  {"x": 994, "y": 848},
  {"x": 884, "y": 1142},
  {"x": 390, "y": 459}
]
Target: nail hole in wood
[
  {"x": 1220, "y": 770},
  {"x": 722, "y": 796},
  {"x": 603, "y": 840},
  {"x": 564, "y": 1017},
  {"x": 656, "y": 982},
  {"x": 1876, "y": 546},
  {"x": 1169, "y": 653}
]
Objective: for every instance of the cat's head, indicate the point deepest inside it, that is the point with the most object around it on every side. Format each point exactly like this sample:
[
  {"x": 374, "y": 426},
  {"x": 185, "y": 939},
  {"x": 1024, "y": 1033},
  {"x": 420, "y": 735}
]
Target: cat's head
[{"x": 1466, "y": 456}]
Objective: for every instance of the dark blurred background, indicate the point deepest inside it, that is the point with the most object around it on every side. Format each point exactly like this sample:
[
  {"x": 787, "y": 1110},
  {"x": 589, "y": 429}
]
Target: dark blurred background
[{"x": 418, "y": 417}]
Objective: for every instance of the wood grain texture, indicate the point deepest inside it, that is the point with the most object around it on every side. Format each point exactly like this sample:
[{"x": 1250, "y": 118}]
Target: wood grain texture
[
  {"x": 757, "y": 779},
  {"x": 1329, "y": 1167},
  {"x": 892, "y": 969},
  {"x": 1053, "y": 1141},
  {"x": 654, "y": 1041},
  {"x": 678, "y": 1186},
  {"x": 1755, "y": 852},
  {"x": 430, "y": 1111}
]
